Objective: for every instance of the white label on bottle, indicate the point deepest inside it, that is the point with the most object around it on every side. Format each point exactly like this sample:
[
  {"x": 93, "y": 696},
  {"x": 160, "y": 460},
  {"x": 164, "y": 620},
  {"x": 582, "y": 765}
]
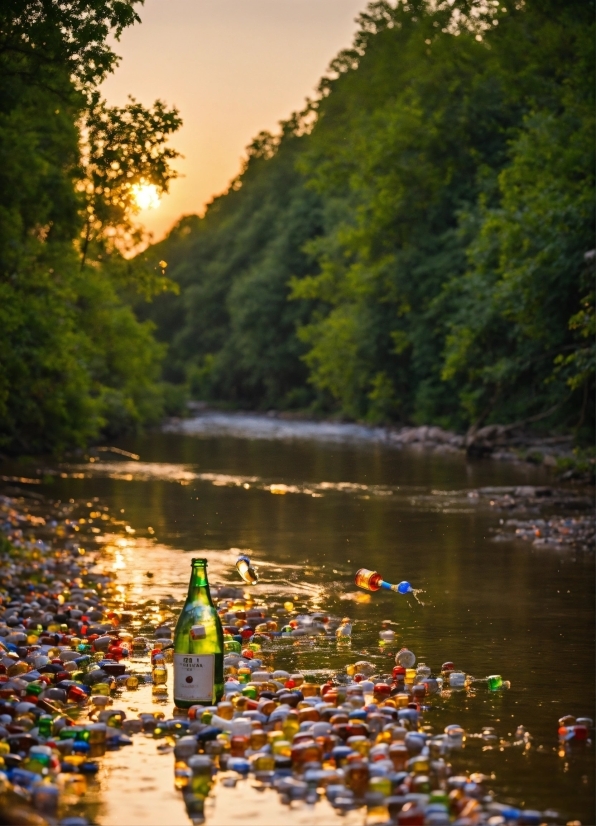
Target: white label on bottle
[{"x": 194, "y": 677}]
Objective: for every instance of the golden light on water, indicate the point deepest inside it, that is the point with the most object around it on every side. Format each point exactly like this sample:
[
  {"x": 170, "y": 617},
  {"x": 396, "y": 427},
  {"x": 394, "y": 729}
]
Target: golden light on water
[{"x": 146, "y": 195}]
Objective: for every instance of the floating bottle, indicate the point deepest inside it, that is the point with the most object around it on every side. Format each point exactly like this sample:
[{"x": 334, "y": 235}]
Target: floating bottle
[
  {"x": 372, "y": 581},
  {"x": 246, "y": 570},
  {"x": 405, "y": 658},
  {"x": 457, "y": 679},
  {"x": 345, "y": 629},
  {"x": 198, "y": 645},
  {"x": 386, "y": 634}
]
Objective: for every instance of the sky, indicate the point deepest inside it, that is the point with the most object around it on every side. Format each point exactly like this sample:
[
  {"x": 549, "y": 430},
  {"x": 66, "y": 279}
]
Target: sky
[{"x": 232, "y": 68}]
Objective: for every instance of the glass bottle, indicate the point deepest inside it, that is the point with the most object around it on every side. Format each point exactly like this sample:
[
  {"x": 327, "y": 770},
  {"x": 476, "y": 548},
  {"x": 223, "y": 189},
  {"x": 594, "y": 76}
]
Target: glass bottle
[{"x": 198, "y": 645}]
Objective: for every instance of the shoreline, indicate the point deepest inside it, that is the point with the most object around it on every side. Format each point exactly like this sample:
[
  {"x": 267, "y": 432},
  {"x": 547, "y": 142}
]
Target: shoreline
[{"x": 505, "y": 443}]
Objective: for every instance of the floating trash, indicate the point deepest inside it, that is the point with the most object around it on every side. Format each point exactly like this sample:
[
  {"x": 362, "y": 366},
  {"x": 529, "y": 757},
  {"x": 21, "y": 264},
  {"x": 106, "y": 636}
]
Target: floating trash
[
  {"x": 345, "y": 629},
  {"x": 405, "y": 658},
  {"x": 246, "y": 570},
  {"x": 386, "y": 634},
  {"x": 356, "y": 735},
  {"x": 372, "y": 581}
]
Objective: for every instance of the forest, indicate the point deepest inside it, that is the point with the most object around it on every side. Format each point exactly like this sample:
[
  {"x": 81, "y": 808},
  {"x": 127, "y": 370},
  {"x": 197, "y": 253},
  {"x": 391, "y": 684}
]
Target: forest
[
  {"x": 412, "y": 246},
  {"x": 76, "y": 363},
  {"x": 415, "y": 247}
]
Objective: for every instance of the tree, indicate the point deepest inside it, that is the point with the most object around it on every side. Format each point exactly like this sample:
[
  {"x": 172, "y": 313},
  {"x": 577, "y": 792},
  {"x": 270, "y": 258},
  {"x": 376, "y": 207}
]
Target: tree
[
  {"x": 427, "y": 218},
  {"x": 74, "y": 357}
]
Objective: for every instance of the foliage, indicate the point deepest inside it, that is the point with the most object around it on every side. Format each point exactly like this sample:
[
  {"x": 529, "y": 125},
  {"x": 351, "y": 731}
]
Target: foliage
[
  {"x": 231, "y": 332},
  {"x": 524, "y": 284},
  {"x": 124, "y": 148},
  {"x": 75, "y": 359},
  {"x": 427, "y": 216},
  {"x": 415, "y": 246},
  {"x": 68, "y": 37}
]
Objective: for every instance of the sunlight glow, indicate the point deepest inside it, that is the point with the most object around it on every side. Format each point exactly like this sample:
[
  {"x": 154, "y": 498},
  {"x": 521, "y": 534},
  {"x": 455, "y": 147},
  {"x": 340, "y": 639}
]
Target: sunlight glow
[{"x": 146, "y": 195}]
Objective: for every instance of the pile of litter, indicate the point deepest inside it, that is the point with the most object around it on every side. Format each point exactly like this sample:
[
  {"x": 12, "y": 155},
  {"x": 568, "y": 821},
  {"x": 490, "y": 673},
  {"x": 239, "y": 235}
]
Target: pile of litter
[
  {"x": 573, "y": 533},
  {"x": 70, "y": 647}
]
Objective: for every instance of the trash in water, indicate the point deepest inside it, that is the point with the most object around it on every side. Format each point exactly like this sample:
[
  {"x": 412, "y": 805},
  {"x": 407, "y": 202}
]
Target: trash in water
[
  {"x": 246, "y": 570},
  {"x": 345, "y": 629},
  {"x": 357, "y": 736},
  {"x": 372, "y": 581},
  {"x": 386, "y": 635},
  {"x": 405, "y": 658}
]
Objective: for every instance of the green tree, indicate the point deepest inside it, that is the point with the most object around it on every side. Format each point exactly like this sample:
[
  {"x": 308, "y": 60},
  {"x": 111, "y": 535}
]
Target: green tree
[
  {"x": 411, "y": 247},
  {"x": 232, "y": 331},
  {"x": 518, "y": 303},
  {"x": 74, "y": 356}
]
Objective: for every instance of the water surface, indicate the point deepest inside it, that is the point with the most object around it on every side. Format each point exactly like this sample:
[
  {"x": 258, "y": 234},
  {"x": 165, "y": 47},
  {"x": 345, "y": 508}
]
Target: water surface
[{"x": 312, "y": 512}]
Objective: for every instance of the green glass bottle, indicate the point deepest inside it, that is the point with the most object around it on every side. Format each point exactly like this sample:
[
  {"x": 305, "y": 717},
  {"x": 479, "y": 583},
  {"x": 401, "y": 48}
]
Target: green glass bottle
[{"x": 198, "y": 645}]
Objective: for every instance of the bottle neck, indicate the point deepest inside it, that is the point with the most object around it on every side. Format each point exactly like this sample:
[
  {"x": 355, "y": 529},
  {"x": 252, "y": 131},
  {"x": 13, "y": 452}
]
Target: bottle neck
[{"x": 198, "y": 587}]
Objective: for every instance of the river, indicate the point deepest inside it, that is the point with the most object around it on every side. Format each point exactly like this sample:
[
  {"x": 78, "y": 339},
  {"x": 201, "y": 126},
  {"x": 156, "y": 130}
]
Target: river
[{"x": 311, "y": 511}]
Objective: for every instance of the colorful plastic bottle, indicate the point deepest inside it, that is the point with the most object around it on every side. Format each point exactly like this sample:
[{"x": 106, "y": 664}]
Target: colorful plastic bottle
[
  {"x": 372, "y": 581},
  {"x": 246, "y": 571}
]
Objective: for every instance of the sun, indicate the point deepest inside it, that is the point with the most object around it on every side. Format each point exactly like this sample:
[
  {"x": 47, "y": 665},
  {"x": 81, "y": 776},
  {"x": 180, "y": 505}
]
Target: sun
[{"x": 146, "y": 196}]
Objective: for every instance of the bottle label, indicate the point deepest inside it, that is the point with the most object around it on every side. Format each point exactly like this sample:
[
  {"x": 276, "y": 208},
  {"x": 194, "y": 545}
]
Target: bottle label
[{"x": 194, "y": 677}]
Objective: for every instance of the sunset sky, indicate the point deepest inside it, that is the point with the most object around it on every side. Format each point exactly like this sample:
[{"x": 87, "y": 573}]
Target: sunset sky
[{"x": 233, "y": 68}]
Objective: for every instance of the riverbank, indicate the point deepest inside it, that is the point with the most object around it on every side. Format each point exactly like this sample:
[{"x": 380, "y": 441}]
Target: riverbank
[{"x": 497, "y": 442}]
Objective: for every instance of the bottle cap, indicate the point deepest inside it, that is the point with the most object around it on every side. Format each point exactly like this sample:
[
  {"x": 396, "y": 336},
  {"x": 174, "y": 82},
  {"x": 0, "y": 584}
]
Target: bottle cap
[{"x": 198, "y": 632}]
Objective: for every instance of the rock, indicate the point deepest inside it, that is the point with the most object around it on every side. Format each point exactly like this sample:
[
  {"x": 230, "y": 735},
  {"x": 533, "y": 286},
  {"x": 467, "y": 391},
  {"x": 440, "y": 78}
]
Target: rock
[
  {"x": 531, "y": 492},
  {"x": 445, "y": 448},
  {"x": 437, "y": 434}
]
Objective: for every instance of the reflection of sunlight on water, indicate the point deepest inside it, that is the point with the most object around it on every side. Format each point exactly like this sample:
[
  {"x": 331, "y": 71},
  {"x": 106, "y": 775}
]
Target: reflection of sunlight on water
[
  {"x": 182, "y": 474},
  {"x": 150, "y": 570}
]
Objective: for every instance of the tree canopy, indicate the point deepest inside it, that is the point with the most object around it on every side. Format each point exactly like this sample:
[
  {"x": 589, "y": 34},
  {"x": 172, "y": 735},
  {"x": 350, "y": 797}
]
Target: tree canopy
[
  {"x": 75, "y": 359},
  {"x": 415, "y": 245}
]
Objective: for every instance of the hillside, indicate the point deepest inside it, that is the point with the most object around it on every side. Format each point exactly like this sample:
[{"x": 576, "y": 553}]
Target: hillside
[{"x": 415, "y": 246}]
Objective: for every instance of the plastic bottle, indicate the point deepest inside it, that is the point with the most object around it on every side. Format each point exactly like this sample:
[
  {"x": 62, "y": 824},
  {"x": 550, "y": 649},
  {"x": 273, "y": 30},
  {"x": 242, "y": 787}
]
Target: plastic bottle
[
  {"x": 372, "y": 581},
  {"x": 246, "y": 570},
  {"x": 345, "y": 629},
  {"x": 405, "y": 658}
]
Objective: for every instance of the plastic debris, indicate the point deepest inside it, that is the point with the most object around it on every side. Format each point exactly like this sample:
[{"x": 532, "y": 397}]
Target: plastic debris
[
  {"x": 246, "y": 570},
  {"x": 372, "y": 581},
  {"x": 345, "y": 629},
  {"x": 356, "y": 735},
  {"x": 62, "y": 662}
]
